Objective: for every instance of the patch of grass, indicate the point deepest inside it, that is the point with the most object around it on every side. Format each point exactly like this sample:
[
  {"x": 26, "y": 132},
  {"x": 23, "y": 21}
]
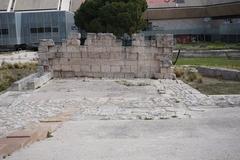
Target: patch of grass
[
  {"x": 212, "y": 86},
  {"x": 208, "y": 46},
  {"x": 211, "y": 61},
  {"x": 10, "y": 73}
]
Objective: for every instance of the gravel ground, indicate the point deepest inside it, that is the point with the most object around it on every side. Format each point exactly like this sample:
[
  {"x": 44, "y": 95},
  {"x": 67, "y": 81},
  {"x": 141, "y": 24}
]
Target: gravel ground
[
  {"x": 18, "y": 57},
  {"x": 107, "y": 100}
]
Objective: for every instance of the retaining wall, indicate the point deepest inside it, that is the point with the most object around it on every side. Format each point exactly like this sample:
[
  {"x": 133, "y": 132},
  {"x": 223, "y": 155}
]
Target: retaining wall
[
  {"x": 227, "y": 74},
  {"x": 231, "y": 54},
  {"x": 104, "y": 56}
]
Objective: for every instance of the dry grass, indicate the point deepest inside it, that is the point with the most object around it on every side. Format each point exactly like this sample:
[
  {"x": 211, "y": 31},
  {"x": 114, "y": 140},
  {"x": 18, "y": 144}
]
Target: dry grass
[
  {"x": 188, "y": 74},
  {"x": 10, "y": 73}
]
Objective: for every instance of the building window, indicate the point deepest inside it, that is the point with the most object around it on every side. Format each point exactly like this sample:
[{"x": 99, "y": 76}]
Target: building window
[
  {"x": 44, "y": 30},
  {"x": 48, "y": 29},
  {"x": 55, "y": 29},
  {"x": 34, "y": 30},
  {"x": 180, "y": 1},
  {"x": 4, "y": 31},
  {"x": 40, "y": 30}
]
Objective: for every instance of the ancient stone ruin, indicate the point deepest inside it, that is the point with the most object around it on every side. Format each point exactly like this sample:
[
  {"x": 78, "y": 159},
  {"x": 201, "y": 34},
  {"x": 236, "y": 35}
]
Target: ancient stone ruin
[{"x": 103, "y": 55}]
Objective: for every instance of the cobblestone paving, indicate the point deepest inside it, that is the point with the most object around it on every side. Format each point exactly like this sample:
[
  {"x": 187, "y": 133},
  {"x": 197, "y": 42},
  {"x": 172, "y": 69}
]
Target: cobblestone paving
[{"x": 107, "y": 100}]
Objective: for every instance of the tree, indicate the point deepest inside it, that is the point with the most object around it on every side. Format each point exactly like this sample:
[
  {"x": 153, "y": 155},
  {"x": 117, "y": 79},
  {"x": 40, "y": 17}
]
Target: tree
[{"x": 114, "y": 16}]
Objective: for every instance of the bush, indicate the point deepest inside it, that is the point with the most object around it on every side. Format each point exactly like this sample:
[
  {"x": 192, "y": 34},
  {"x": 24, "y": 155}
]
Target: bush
[
  {"x": 179, "y": 71},
  {"x": 188, "y": 74},
  {"x": 111, "y": 16}
]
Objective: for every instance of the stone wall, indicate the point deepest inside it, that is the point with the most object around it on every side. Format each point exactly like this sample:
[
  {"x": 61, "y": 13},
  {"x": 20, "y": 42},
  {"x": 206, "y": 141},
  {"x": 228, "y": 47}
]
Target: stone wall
[{"x": 103, "y": 55}]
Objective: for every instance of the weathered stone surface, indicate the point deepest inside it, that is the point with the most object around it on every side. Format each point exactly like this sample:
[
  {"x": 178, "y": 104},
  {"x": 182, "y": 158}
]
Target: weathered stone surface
[{"x": 103, "y": 55}]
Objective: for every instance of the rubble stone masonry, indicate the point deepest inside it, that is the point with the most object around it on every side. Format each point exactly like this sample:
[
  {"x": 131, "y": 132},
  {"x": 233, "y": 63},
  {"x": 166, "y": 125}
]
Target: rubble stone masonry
[{"x": 103, "y": 55}]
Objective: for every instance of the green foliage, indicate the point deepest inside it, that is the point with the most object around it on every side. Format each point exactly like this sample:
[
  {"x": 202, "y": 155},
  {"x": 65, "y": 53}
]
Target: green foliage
[{"x": 113, "y": 16}]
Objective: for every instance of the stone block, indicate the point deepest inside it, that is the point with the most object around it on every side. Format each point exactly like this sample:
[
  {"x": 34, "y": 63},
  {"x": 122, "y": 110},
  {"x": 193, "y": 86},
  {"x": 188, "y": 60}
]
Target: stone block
[
  {"x": 74, "y": 35},
  {"x": 84, "y": 54},
  {"x": 116, "y": 49},
  {"x": 153, "y": 43},
  {"x": 56, "y": 61},
  {"x": 129, "y": 75},
  {"x": 104, "y": 55},
  {"x": 66, "y": 54},
  {"x": 134, "y": 69},
  {"x": 115, "y": 69},
  {"x": 130, "y": 63},
  {"x": 167, "y": 50},
  {"x": 165, "y": 70},
  {"x": 158, "y": 76},
  {"x": 105, "y": 68},
  {"x": 108, "y": 75},
  {"x": 158, "y": 56},
  {"x": 132, "y": 56},
  {"x": 76, "y": 68},
  {"x": 98, "y": 75},
  {"x": 95, "y": 68},
  {"x": 164, "y": 40},
  {"x": 89, "y": 74},
  {"x": 56, "y": 67},
  {"x": 166, "y": 63},
  {"x": 83, "y": 48},
  {"x": 63, "y": 47},
  {"x": 118, "y": 75},
  {"x": 42, "y": 49},
  {"x": 146, "y": 69},
  {"x": 85, "y": 68},
  {"x": 57, "y": 54},
  {"x": 53, "y": 49},
  {"x": 56, "y": 74},
  {"x": 75, "y": 61},
  {"x": 94, "y": 55},
  {"x": 64, "y": 61},
  {"x": 116, "y": 55},
  {"x": 42, "y": 56},
  {"x": 66, "y": 67},
  {"x": 76, "y": 55},
  {"x": 114, "y": 62},
  {"x": 125, "y": 69},
  {"x": 73, "y": 42},
  {"x": 67, "y": 74},
  {"x": 73, "y": 48},
  {"x": 46, "y": 42}
]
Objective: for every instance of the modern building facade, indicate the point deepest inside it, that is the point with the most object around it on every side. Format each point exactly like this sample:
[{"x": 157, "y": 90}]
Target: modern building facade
[
  {"x": 24, "y": 22},
  {"x": 195, "y": 20}
]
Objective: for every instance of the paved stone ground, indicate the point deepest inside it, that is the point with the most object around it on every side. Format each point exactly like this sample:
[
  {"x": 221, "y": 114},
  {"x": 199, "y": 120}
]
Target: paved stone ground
[{"x": 127, "y": 119}]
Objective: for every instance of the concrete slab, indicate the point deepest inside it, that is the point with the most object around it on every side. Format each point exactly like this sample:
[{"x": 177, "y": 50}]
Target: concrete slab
[{"x": 204, "y": 138}]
